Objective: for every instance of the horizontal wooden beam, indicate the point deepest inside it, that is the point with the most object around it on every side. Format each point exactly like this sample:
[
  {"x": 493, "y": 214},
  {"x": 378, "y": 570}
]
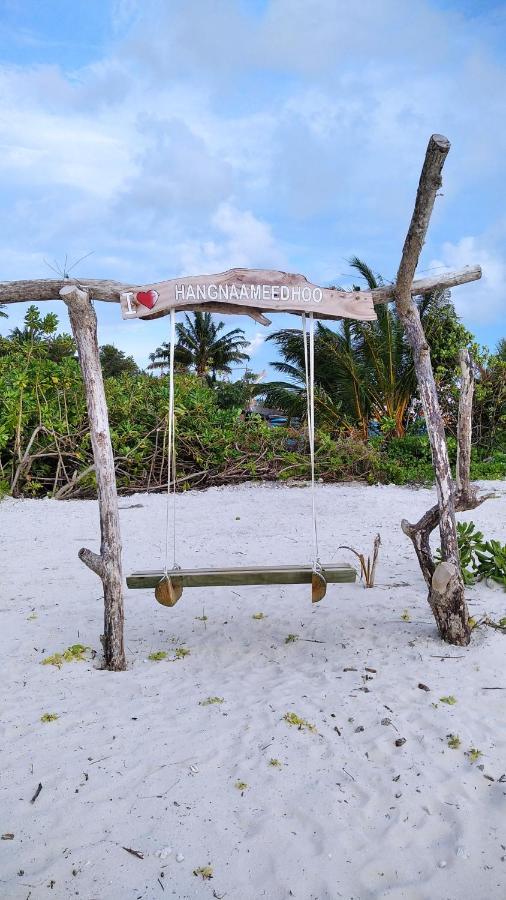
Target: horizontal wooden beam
[
  {"x": 38, "y": 290},
  {"x": 442, "y": 281},
  {"x": 242, "y": 576}
]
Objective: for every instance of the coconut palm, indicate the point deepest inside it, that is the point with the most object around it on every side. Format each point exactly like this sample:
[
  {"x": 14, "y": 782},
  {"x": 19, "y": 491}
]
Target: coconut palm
[
  {"x": 201, "y": 346},
  {"x": 363, "y": 371}
]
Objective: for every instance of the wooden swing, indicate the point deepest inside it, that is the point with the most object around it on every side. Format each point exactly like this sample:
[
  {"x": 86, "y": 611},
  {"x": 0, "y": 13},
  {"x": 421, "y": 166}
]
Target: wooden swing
[{"x": 306, "y": 300}]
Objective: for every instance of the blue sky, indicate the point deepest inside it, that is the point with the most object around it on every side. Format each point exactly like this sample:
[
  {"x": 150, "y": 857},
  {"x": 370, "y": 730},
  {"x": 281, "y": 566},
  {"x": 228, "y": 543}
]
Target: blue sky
[{"x": 174, "y": 138}]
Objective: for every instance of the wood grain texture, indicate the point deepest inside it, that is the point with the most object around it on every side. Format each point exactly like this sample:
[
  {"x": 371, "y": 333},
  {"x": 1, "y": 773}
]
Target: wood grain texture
[
  {"x": 241, "y": 576},
  {"x": 38, "y": 290},
  {"x": 450, "y": 610},
  {"x": 107, "y": 564},
  {"x": 258, "y": 289}
]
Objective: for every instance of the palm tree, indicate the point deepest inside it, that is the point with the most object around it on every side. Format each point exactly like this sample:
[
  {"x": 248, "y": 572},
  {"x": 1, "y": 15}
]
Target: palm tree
[
  {"x": 363, "y": 371},
  {"x": 202, "y": 347}
]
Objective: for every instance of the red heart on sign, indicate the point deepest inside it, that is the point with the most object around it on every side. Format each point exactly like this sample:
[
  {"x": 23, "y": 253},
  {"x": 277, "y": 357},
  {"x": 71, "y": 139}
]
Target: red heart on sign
[{"x": 147, "y": 298}]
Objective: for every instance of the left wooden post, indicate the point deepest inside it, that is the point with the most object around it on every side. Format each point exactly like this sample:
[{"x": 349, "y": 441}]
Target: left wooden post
[{"x": 107, "y": 564}]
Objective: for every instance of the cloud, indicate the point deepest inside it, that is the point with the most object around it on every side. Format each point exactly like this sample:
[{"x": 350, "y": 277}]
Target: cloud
[
  {"x": 287, "y": 134},
  {"x": 480, "y": 302}
]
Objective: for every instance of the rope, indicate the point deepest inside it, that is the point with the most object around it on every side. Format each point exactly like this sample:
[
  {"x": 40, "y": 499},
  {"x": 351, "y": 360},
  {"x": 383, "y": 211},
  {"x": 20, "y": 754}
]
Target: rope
[
  {"x": 171, "y": 451},
  {"x": 309, "y": 373}
]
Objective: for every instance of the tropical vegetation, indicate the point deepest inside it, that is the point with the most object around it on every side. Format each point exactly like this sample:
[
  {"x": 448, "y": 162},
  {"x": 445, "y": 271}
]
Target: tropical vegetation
[{"x": 369, "y": 424}]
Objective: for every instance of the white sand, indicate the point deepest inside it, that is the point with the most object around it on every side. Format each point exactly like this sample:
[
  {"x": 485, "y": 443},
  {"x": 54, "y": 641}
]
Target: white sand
[{"x": 134, "y": 761}]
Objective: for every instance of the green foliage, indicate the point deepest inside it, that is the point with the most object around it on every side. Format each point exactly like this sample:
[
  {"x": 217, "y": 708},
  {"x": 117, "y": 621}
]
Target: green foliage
[
  {"x": 293, "y": 719},
  {"x": 259, "y": 616},
  {"x": 291, "y": 638},
  {"x": 241, "y": 785},
  {"x": 158, "y": 655},
  {"x": 49, "y": 717},
  {"x": 114, "y": 362},
  {"x": 201, "y": 346},
  {"x": 275, "y": 763},
  {"x": 181, "y": 652},
  {"x": 45, "y": 446},
  {"x": 75, "y": 653},
  {"x": 470, "y": 541},
  {"x": 473, "y": 754},
  {"x": 454, "y": 741},
  {"x": 450, "y": 701},
  {"x": 210, "y": 701},
  {"x": 491, "y": 562}
]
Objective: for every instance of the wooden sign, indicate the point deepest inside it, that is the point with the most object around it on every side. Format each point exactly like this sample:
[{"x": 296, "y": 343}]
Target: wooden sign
[{"x": 250, "y": 291}]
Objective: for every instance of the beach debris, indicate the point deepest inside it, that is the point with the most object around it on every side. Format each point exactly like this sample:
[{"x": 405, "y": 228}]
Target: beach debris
[
  {"x": 194, "y": 770},
  {"x": 258, "y": 616},
  {"x": 218, "y": 896},
  {"x": 442, "y": 863},
  {"x": 157, "y": 656},
  {"x": 453, "y": 741},
  {"x": 210, "y": 701},
  {"x": 163, "y": 853},
  {"x": 369, "y": 669},
  {"x": 179, "y": 857},
  {"x": 293, "y": 719},
  {"x": 399, "y": 742},
  {"x": 37, "y": 792},
  {"x": 350, "y": 669},
  {"x": 74, "y": 653},
  {"x": 386, "y": 721},
  {"x": 359, "y": 728},
  {"x": 367, "y": 567},
  {"x": 423, "y": 687},
  {"x": 450, "y": 701},
  {"x": 205, "y": 872},
  {"x": 49, "y": 717},
  {"x": 8, "y": 836},
  {"x": 136, "y": 853},
  {"x": 473, "y": 754},
  {"x": 462, "y": 852}
]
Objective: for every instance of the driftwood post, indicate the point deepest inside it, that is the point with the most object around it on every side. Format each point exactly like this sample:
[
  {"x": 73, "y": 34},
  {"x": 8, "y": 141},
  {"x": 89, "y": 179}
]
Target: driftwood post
[
  {"x": 446, "y": 587},
  {"x": 107, "y": 564}
]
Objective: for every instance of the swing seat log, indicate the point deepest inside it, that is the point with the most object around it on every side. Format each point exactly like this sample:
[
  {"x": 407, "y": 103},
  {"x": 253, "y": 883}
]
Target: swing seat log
[{"x": 253, "y": 575}]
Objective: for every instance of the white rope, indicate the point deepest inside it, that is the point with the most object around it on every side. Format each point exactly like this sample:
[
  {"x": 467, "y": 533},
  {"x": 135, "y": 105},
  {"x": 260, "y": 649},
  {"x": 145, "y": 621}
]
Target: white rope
[
  {"x": 171, "y": 451},
  {"x": 309, "y": 373}
]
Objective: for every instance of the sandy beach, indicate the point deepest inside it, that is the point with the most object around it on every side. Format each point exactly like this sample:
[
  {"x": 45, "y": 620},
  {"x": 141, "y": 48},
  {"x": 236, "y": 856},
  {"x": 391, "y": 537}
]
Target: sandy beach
[{"x": 139, "y": 761}]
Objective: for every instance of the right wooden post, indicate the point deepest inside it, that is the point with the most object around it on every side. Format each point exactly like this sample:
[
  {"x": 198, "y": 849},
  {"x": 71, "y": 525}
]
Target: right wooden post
[{"x": 446, "y": 590}]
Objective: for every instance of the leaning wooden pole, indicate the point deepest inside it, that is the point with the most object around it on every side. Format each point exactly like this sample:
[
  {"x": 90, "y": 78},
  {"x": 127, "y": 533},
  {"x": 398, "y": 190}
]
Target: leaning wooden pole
[
  {"x": 107, "y": 564},
  {"x": 446, "y": 592}
]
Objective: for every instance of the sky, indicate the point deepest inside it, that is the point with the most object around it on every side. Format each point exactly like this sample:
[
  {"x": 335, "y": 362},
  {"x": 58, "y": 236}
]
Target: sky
[{"x": 172, "y": 138}]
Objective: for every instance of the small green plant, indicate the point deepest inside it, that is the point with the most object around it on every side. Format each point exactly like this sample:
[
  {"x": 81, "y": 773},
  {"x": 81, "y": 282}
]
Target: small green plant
[
  {"x": 209, "y": 701},
  {"x": 157, "y": 655},
  {"x": 275, "y": 763},
  {"x": 258, "y": 616},
  {"x": 74, "y": 653},
  {"x": 491, "y": 562},
  {"x": 406, "y": 616},
  {"x": 473, "y": 754},
  {"x": 205, "y": 872},
  {"x": 454, "y": 741},
  {"x": 291, "y": 638},
  {"x": 470, "y": 542},
  {"x": 450, "y": 701},
  {"x": 202, "y": 618},
  {"x": 49, "y": 717},
  {"x": 293, "y": 719},
  {"x": 181, "y": 652},
  {"x": 241, "y": 785}
]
